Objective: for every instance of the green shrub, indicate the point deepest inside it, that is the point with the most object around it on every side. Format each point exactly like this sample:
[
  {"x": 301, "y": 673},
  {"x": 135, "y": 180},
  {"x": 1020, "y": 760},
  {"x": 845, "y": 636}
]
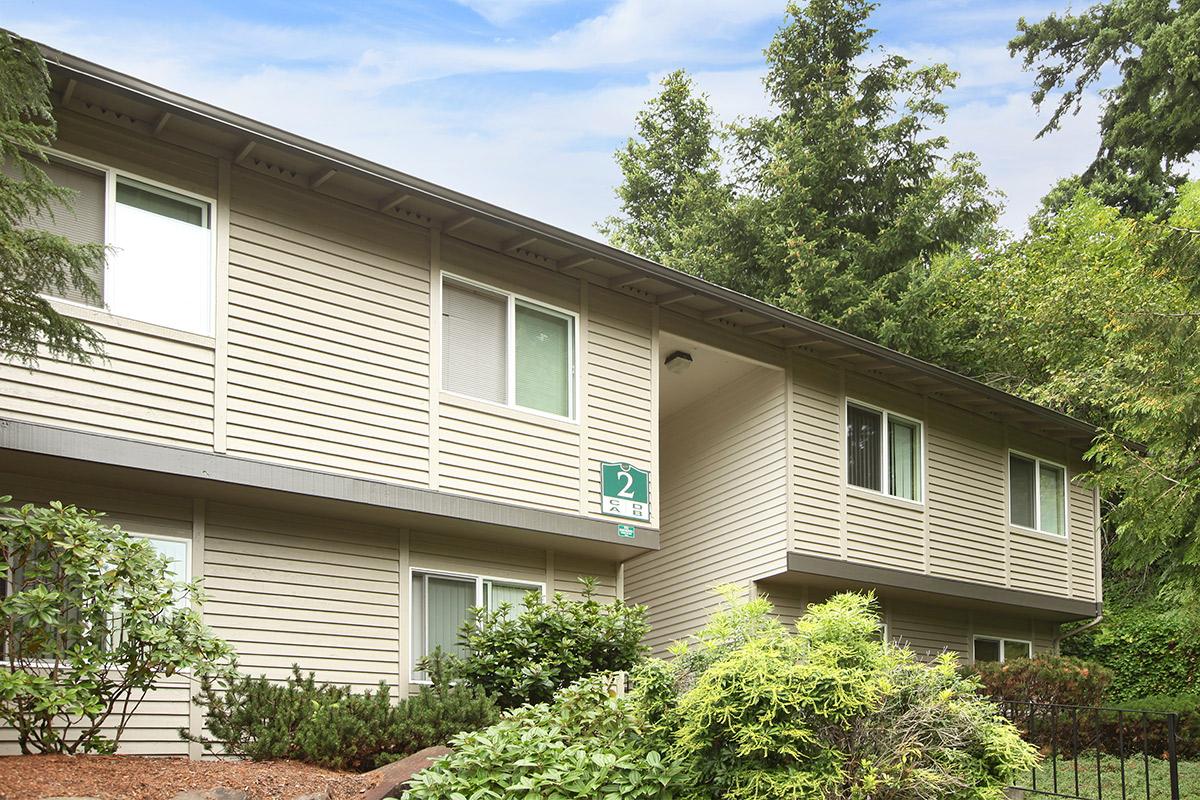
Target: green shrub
[
  {"x": 1150, "y": 652},
  {"x": 1044, "y": 679},
  {"x": 526, "y": 658},
  {"x": 586, "y": 744},
  {"x": 1153, "y": 728},
  {"x": 92, "y": 621},
  {"x": 332, "y": 726},
  {"x": 826, "y": 711}
]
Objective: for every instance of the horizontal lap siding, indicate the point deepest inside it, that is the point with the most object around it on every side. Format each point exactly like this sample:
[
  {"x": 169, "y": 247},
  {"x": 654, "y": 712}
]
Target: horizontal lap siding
[
  {"x": 320, "y": 593},
  {"x": 568, "y": 569},
  {"x": 1038, "y": 562},
  {"x": 152, "y": 728},
  {"x": 507, "y": 457},
  {"x": 328, "y": 336},
  {"x": 1083, "y": 542},
  {"x": 884, "y": 533},
  {"x": 966, "y": 508},
  {"x": 724, "y": 505},
  {"x": 816, "y": 443},
  {"x": 476, "y": 557},
  {"x": 929, "y": 630},
  {"x": 146, "y": 387},
  {"x": 618, "y": 355}
]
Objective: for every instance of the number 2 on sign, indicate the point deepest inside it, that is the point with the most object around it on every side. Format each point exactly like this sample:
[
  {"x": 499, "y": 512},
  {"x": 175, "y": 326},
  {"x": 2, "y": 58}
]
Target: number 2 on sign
[{"x": 627, "y": 480}]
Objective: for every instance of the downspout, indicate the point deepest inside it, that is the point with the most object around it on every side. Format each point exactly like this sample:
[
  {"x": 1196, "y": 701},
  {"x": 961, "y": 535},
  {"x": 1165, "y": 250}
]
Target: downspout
[{"x": 1091, "y": 624}]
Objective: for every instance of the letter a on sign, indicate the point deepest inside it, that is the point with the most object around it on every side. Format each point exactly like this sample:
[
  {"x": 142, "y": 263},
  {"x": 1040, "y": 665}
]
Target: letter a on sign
[{"x": 624, "y": 491}]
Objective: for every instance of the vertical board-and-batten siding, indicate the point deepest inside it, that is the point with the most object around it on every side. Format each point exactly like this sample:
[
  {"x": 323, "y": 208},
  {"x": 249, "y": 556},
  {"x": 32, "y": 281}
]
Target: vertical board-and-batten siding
[
  {"x": 961, "y": 529},
  {"x": 724, "y": 500},
  {"x": 152, "y": 729},
  {"x": 328, "y": 352}
]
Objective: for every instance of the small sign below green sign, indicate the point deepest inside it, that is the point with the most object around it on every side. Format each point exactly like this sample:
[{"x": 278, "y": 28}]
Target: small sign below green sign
[
  {"x": 624, "y": 491},
  {"x": 627, "y": 531}
]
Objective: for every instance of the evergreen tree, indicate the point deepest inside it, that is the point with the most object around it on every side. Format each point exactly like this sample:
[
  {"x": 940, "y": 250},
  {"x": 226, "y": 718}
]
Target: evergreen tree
[
  {"x": 1150, "y": 121},
  {"x": 829, "y": 207},
  {"x": 34, "y": 263}
]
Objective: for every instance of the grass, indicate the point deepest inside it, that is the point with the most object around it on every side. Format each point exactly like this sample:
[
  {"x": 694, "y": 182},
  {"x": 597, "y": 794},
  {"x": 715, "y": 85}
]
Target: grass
[{"x": 1110, "y": 778}]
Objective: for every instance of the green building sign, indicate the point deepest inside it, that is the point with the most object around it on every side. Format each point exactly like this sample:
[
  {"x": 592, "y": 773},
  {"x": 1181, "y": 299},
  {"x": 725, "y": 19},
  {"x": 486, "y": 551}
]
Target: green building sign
[{"x": 624, "y": 491}]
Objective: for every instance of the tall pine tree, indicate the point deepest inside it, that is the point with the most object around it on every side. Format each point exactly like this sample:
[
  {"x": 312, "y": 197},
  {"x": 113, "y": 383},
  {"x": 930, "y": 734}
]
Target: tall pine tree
[{"x": 832, "y": 205}]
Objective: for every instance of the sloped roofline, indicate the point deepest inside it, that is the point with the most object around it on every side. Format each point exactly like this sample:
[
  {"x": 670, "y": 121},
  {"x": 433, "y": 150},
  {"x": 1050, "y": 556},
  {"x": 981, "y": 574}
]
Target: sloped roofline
[{"x": 75, "y": 67}]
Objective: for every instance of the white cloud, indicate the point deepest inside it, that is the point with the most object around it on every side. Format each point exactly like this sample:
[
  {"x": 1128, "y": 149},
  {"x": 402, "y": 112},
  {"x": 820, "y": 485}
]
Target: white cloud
[{"x": 1003, "y": 136}]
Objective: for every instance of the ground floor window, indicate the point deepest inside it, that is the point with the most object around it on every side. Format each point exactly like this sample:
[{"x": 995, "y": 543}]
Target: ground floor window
[
  {"x": 988, "y": 648},
  {"x": 442, "y": 602}
]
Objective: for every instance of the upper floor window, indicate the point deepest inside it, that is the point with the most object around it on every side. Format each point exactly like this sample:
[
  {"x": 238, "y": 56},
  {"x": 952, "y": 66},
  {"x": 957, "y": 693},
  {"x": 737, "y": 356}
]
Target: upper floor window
[
  {"x": 1037, "y": 494},
  {"x": 506, "y": 349},
  {"x": 883, "y": 452},
  {"x": 160, "y": 266}
]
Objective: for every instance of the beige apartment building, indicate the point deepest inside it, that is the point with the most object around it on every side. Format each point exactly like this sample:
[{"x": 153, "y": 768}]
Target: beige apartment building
[{"x": 355, "y": 403}]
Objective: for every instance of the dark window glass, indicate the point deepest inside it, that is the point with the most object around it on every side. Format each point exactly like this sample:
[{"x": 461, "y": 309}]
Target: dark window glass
[
  {"x": 1022, "y": 491},
  {"x": 862, "y": 447},
  {"x": 987, "y": 650}
]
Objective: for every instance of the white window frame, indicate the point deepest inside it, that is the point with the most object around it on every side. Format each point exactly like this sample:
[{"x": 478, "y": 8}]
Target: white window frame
[
  {"x": 885, "y": 476},
  {"x": 425, "y": 573},
  {"x": 111, "y": 176},
  {"x": 1003, "y": 641},
  {"x": 1037, "y": 495},
  {"x": 514, "y": 299},
  {"x": 187, "y": 548}
]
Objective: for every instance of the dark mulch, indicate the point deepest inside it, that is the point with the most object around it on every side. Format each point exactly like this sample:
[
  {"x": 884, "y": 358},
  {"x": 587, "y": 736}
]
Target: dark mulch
[{"x": 154, "y": 778}]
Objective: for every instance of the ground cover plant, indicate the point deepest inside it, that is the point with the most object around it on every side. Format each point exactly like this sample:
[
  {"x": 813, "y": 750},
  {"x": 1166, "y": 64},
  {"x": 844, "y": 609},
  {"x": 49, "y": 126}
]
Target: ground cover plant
[
  {"x": 751, "y": 709},
  {"x": 91, "y": 621}
]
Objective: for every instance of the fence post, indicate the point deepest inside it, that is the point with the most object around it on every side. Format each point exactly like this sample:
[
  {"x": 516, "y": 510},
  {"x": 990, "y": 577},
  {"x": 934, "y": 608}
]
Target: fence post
[{"x": 1172, "y": 724}]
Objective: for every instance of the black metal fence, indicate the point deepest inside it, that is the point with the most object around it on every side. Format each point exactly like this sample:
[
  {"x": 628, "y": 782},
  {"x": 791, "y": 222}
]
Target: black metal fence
[{"x": 1094, "y": 753}]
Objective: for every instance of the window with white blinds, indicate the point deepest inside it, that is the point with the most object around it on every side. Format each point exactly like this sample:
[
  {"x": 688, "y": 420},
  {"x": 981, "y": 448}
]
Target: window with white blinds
[
  {"x": 442, "y": 603},
  {"x": 883, "y": 452},
  {"x": 81, "y": 219},
  {"x": 160, "y": 262},
  {"x": 1037, "y": 494},
  {"x": 507, "y": 350}
]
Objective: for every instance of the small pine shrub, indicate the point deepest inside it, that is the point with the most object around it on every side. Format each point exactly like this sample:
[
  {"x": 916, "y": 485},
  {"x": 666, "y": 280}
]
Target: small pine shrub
[
  {"x": 332, "y": 726},
  {"x": 1044, "y": 679},
  {"x": 549, "y": 645}
]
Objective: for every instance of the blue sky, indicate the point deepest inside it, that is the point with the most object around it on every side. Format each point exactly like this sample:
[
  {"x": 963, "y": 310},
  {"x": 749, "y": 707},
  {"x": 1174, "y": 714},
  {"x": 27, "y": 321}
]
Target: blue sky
[{"x": 522, "y": 102}]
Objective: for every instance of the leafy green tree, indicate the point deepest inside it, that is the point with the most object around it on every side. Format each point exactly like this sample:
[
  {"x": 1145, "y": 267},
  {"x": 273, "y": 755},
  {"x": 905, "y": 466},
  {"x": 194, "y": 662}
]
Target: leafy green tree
[
  {"x": 832, "y": 205},
  {"x": 1150, "y": 123},
  {"x": 1097, "y": 314},
  {"x": 34, "y": 262},
  {"x": 92, "y": 621}
]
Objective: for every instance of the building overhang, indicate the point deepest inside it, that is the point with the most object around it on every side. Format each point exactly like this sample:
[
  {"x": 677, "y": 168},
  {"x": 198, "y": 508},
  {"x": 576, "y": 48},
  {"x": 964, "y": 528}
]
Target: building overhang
[
  {"x": 168, "y": 469},
  {"x": 831, "y": 573}
]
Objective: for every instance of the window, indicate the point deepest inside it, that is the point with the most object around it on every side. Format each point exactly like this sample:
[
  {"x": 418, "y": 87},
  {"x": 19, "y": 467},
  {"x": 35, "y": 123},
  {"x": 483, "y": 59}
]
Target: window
[
  {"x": 507, "y": 350},
  {"x": 1037, "y": 494},
  {"x": 160, "y": 268},
  {"x": 442, "y": 602},
  {"x": 176, "y": 551},
  {"x": 995, "y": 649},
  {"x": 883, "y": 452}
]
